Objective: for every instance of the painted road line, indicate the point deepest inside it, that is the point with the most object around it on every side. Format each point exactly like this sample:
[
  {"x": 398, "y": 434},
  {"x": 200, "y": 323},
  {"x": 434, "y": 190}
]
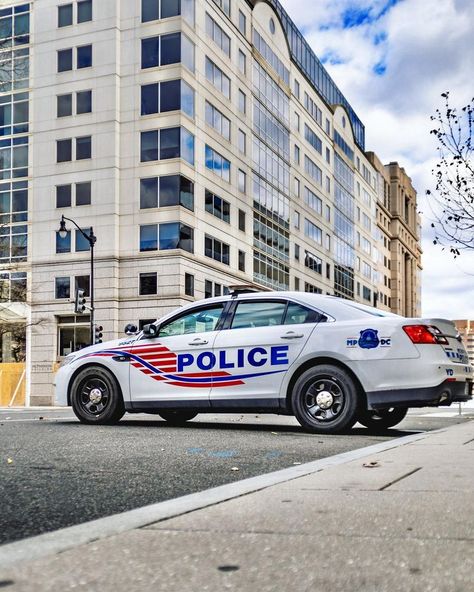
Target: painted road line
[{"x": 81, "y": 534}]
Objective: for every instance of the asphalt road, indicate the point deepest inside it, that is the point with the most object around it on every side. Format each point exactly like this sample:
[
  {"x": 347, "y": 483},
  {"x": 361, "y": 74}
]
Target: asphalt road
[{"x": 56, "y": 472}]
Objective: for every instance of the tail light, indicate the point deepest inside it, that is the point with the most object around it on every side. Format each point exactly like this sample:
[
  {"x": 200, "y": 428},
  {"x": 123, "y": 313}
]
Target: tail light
[{"x": 425, "y": 334}]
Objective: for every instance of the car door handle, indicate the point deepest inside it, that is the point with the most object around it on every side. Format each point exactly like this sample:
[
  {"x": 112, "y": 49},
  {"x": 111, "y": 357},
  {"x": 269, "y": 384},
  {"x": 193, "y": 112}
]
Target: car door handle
[
  {"x": 121, "y": 358},
  {"x": 198, "y": 342},
  {"x": 292, "y": 335}
]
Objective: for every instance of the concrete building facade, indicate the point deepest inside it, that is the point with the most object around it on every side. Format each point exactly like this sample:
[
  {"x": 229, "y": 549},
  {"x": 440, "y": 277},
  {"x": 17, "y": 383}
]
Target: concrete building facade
[
  {"x": 466, "y": 330},
  {"x": 206, "y": 145}
]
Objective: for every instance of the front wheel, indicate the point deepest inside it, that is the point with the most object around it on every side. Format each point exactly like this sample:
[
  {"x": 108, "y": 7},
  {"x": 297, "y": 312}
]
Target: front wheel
[
  {"x": 96, "y": 397},
  {"x": 383, "y": 418},
  {"x": 325, "y": 400},
  {"x": 177, "y": 418}
]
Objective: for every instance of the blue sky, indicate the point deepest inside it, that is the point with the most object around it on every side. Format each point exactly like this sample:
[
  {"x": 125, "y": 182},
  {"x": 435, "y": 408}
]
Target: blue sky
[{"x": 393, "y": 59}]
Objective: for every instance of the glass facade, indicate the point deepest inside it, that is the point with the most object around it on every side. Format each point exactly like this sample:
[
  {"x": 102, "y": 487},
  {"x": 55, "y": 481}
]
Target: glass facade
[
  {"x": 271, "y": 174},
  {"x": 343, "y": 241},
  {"x": 309, "y": 64},
  {"x": 14, "y": 145}
]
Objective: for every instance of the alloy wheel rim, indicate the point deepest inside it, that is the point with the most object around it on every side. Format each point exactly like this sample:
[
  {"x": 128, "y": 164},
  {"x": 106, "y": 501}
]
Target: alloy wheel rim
[
  {"x": 324, "y": 400},
  {"x": 94, "y": 396}
]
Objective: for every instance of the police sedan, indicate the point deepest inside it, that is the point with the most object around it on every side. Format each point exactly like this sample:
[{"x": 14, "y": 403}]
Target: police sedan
[{"x": 327, "y": 361}]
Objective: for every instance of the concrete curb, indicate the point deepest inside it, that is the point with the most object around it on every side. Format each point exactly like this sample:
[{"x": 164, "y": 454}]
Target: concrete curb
[{"x": 81, "y": 534}]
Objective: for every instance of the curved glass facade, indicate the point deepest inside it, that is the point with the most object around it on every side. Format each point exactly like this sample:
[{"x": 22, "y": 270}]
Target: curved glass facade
[{"x": 306, "y": 60}]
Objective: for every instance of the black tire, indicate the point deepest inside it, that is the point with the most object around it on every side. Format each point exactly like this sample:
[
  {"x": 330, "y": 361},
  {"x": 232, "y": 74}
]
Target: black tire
[
  {"x": 325, "y": 400},
  {"x": 382, "y": 419},
  {"x": 96, "y": 397},
  {"x": 177, "y": 418}
]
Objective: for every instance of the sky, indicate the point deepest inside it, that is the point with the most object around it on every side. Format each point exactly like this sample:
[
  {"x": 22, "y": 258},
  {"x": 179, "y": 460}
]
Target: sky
[{"x": 392, "y": 59}]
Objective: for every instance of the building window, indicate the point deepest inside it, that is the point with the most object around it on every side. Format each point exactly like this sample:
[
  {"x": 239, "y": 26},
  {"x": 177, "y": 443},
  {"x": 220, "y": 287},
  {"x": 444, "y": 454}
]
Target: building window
[
  {"x": 65, "y": 15},
  {"x": 173, "y": 142},
  {"x": 64, "y": 150},
  {"x": 83, "y": 193},
  {"x": 216, "y": 249},
  {"x": 216, "y": 33},
  {"x": 313, "y": 170},
  {"x": 73, "y": 336},
  {"x": 63, "y": 245},
  {"x": 83, "y": 148},
  {"x": 313, "y": 109},
  {"x": 83, "y": 102},
  {"x": 297, "y": 89},
  {"x": 207, "y": 289},
  {"x": 313, "y": 262},
  {"x": 84, "y": 11},
  {"x": 313, "y": 232},
  {"x": 153, "y": 10},
  {"x": 297, "y": 284},
  {"x": 64, "y": 194},
  {"x": 62, "y": 287},
  {"x": 242, "y": 261},
  {"x": 242, "y": 181},
  {"x": 242, "y": 23},
  {"x": 328, "y": 156},
  {"x": 297, "y": 154},
  {"x": 148, "y": 283},
  {"x": 242, "y": 220},
  {"x": 312, "y": 289},
  {"x": 13, "y": 286},
  {"x": 296, "y": 219},
  {"x": 218, "y": 207},
  {"x": 242, "y": 137},
  {"x": 172, "y": 235},
  {"x": 366, "y": 293},
  {"x": 82, "y": 244},
  {"x": 82, "y": 282},
  {"x": 297, "y": 187},
  {"x": 297, "y": 121},
  {"x": 64, "y": 105},
  {"x": 170, "y": 95},
  {"x": 217, "y": 120},
  {"x": 169, "y": 190},
  {"x": 242, "y": 62},
  {"x": 297, "y": 252},
  {"x": 217, "y": 78},
  {"x": 163, "y": 50},
  {"x": 313, "y": 139},
  {"x": 242, "y": 102},
  {"x": 217, "y": 163},
  {"x": 313, "y": 201},
  {"x": 84, "y": 56},
  {"x": 189, "y": 284},
  {"x": 64, "y": 60},
  {"x": 224, "y": 5}
]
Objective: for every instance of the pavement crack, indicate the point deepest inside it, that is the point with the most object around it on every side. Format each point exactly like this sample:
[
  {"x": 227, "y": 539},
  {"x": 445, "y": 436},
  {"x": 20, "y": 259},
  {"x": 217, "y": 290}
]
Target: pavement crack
[{"x": 412, "y": 472}]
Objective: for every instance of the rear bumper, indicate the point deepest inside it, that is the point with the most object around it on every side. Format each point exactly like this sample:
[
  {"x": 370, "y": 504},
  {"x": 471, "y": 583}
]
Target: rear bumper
[{"x": 444, "y": 394}]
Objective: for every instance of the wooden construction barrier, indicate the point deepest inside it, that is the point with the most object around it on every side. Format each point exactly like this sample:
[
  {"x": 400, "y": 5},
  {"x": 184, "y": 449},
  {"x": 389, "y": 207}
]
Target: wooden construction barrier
[{"x": 12, "y": 384}]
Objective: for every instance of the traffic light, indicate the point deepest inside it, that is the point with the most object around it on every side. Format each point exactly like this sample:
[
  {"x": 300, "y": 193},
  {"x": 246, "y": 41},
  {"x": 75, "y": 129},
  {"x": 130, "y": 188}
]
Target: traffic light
[
  {"x": 80, "y": 302},
  {"x": 98, "y": 333}
]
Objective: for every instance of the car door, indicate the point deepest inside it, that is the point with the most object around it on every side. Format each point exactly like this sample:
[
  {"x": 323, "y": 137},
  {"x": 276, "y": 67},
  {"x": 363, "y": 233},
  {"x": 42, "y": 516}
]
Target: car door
[
  {"x": 177, "y": 364},
  {"x": 263, "y": 340}
]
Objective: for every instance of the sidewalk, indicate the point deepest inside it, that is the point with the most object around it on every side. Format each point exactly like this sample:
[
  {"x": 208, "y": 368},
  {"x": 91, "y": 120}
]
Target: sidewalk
[{"x": 399, "y": 520}]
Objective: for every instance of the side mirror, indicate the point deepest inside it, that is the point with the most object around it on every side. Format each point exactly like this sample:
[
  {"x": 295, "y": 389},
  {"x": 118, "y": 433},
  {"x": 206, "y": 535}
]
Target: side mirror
[
  {"x": 131, "y": 329},
  {"x": 150, "y": 330}
]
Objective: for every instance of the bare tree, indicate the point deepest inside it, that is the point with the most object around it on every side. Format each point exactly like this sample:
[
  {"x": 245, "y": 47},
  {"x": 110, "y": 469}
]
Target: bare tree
[{"x": 452, "y": 202}]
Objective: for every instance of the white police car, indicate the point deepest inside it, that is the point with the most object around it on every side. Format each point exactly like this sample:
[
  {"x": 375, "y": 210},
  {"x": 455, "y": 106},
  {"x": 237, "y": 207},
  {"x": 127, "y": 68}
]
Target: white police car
[{"x": 327, "y": 361}]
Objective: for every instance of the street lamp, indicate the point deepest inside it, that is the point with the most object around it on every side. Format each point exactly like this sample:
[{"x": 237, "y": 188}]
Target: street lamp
[{"x": 91, "y": 239}]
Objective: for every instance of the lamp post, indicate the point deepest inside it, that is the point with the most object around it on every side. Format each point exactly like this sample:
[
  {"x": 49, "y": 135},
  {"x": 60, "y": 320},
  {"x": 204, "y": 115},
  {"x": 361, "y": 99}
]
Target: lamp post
[{"x": 91, "y": 239}]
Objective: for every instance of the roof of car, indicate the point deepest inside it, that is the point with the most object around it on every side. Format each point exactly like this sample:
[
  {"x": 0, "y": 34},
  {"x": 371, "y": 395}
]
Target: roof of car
[{"x": 337, "y": 308}]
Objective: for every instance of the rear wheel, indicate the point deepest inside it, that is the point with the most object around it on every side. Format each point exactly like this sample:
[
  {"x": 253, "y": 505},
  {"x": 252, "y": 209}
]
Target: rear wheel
[
  {"x": 96, "y": 397},
  {"x": 325, "y": 400},
  {"x": 383, "y": 418},
  {"x": 177, "y": 417}
]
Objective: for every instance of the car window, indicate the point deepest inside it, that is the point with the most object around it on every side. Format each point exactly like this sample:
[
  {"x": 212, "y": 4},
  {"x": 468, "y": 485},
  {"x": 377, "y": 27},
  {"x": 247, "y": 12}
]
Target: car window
[
  {"x": 258, "y": 314},
  {"x": 297, "y": 314},
  {"x": 198, "y": 321}
]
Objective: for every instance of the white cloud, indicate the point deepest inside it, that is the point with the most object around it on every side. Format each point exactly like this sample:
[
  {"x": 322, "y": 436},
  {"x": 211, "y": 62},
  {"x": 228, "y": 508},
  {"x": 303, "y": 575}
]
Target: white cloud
[{"x": 426, "y": 47}]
